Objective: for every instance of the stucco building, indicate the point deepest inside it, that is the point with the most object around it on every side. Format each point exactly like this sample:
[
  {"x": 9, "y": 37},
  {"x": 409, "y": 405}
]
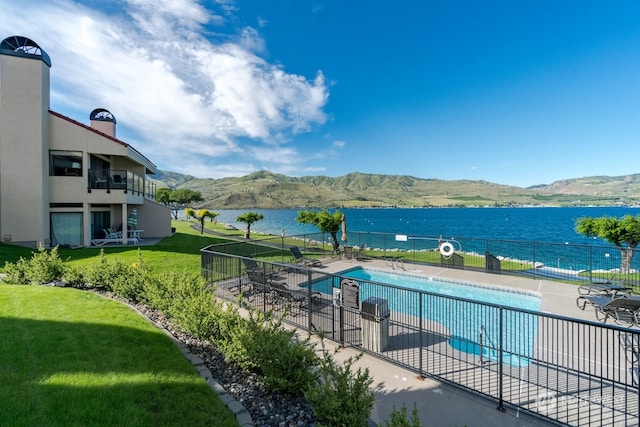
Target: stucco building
[{"x": 63, "y": 182}]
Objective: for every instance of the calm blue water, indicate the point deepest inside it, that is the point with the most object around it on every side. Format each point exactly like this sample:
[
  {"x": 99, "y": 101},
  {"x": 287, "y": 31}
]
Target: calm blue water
[
  {"x": 465, "y": 320},
  {"x": 532, "y": 224},
  {"x": 547, "y": 225}
]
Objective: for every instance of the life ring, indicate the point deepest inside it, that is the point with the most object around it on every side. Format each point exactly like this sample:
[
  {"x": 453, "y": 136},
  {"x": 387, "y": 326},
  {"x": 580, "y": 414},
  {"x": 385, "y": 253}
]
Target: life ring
[{"x": 446, "y": 249}]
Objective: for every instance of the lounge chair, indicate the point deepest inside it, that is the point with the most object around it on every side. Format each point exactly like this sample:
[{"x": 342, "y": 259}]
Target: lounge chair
[
  {"x": 301, "y": 259},
  {"x": 251, "y": 265},
  {"x": 623, "y": 309},
  {"x": 260, "y": 285},
  {"x": 113, "y": 236},
  {"x": 296, "y": 296},
  {"x": 607, "y": 288}
]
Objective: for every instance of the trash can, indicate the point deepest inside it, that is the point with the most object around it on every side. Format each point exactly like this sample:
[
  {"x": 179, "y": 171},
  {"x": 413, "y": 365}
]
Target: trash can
[{"x": 375, "y": 324}]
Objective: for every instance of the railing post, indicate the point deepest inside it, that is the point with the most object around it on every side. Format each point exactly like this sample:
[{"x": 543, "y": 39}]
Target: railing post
[
  {"x": 500, "y": 367},
  {"x": 309, "y": 301},
  {"x": 420, "y": 368},
  {"x": 481, "y": 344},
  {"x": 591, "y": 263}
]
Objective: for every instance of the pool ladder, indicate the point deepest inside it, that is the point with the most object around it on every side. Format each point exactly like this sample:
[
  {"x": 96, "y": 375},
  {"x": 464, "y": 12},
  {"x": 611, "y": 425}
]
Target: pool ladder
[{"x": 492, "y": 345}]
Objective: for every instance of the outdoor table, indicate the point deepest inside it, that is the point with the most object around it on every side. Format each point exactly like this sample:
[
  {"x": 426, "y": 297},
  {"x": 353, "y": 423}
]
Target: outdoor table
[{"x": 135, "y": 234}]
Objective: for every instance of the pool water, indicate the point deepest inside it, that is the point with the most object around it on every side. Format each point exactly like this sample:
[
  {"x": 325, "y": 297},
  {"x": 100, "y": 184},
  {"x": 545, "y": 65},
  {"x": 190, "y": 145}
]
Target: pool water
[{"x": 473, "y": 327}]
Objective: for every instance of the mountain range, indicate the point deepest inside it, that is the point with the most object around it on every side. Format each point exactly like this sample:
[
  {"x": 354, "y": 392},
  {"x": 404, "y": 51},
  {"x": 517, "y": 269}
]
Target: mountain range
[{"x": 267, "y": 190}]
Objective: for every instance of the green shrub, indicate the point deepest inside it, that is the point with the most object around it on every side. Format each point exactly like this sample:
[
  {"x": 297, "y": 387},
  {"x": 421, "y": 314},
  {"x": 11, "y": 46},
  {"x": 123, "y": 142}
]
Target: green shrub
[
  {"x": 398, "y": 418},
  {"x": 261, "y": 343},
  {"x": 159, "y": 289},
  {"x": 193, "y": 305},
  {"x": 44, "y": 266},
  {"x": 341, "y": 397},
  {"x": 103, "y": 273},
  {"x": 16, "y": 272},
  {"x": 130, "y": 283},
  {"x": 74, "y": 275}
]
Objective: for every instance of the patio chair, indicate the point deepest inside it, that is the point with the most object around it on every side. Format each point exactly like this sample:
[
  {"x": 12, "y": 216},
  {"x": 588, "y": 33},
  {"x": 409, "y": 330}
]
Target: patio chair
[
  {"x": 361, "y": 254},
  {"x": 301, "y": 259},
  {"x": 623, "y": 309},
  {"x": 348, "y": 252}
]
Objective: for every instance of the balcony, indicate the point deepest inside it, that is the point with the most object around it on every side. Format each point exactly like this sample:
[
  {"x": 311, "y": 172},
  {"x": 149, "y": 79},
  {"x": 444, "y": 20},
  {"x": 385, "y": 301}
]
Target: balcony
[{"x": 120, "y": 179}]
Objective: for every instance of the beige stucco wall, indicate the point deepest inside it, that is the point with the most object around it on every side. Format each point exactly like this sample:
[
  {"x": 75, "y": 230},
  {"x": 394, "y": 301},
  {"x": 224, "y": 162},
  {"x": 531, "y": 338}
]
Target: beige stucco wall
[
  {"x": 154, "y": 219},
  {"x": 24, "y": 105}
]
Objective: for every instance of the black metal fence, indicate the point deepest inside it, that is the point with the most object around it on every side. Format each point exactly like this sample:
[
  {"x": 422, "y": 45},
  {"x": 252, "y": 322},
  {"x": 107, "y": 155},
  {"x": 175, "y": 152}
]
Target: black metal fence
[
  {"x": 557, "y": 261},
  {"x": 563, "y": 370}
]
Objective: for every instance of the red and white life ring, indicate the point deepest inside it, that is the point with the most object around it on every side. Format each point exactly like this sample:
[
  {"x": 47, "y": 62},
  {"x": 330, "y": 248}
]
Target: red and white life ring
[{"x": 446, "y": 249}]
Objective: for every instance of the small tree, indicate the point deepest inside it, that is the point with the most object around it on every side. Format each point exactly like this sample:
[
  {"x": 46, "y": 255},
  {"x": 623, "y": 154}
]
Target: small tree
[
  {"x": 200, "y": 215},
  {"x": 618, "y": 231},
  {"x": 326, "y": 222},
  {"x": 177, "y": 199},
  {"x": 249, "y": 218}
]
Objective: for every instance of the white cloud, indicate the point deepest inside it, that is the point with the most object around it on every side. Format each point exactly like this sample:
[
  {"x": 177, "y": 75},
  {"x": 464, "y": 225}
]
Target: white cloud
[{"x": 179, "y": 97}]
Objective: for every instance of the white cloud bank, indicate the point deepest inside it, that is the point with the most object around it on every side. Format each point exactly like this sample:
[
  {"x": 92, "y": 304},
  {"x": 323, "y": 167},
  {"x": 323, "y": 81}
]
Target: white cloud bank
[{"x": 193, "y": 99}]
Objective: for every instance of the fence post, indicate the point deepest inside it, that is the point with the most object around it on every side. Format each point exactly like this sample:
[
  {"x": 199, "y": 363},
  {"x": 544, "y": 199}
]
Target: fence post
[
  {"x": 309, "y": 301},
  {"x": 591, "y": 263},
  {"x": 500, "y": 367},
  {"x": 420, "y": 368}
]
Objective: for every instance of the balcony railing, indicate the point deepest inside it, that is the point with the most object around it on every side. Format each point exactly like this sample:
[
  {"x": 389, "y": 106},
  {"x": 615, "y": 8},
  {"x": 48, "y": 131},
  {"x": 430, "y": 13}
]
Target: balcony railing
[{"x": 121, "y": 179}]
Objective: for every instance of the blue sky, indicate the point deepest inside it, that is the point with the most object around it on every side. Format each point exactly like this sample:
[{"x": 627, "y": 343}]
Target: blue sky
[{"x": 511, "y": 92}]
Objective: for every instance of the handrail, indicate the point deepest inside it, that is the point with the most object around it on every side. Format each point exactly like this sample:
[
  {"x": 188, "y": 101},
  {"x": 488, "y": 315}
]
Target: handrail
[{"x": 481, "y": 340}]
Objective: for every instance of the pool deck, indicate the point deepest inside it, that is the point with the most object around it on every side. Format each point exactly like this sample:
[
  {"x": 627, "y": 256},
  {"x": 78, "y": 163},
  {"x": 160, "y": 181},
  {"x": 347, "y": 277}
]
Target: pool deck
[{"x": 438, "y": 403}]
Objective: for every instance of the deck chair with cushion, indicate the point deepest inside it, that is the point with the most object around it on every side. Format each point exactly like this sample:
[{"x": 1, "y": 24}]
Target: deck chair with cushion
[
  {"x": 623, "y": 309},
  {"x": 298, "y": 258}
]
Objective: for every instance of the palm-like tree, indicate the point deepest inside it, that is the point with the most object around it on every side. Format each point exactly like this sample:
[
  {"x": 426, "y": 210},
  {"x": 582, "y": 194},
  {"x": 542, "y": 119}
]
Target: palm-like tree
[{"x": 249, "y": 218}]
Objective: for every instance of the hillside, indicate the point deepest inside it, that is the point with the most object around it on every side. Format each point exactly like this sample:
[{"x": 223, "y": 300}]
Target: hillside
[{"x": 268, "y": 190}]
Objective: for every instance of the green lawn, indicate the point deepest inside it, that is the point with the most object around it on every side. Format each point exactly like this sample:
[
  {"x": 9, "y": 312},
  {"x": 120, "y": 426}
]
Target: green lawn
[
  {"x": 73, "y": 358},
  {"x": 70, "y": 357}
]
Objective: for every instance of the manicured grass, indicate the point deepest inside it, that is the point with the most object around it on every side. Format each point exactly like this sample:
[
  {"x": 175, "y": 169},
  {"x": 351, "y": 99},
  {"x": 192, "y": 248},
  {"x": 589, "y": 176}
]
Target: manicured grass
[
  {"x": 70, "y": 357},
  {"x": 176, "y": 253}
]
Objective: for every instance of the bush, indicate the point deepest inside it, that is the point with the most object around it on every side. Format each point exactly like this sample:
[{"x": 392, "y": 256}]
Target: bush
[
  {"x": 193, "y": 305},
  {"x": 44, "y": 266},
  {"x": 341, "y": 397},
  {"x": 261, "y": 343},
  {"x": 398, "y": 418},
  {"x": 130, "y": 283},
  {"x": 104, "y": 273},
  {"x": 74, "y": 276}
]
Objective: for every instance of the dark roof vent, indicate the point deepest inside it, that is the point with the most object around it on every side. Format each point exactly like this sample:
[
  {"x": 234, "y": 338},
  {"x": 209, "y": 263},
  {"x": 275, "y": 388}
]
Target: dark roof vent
[{"x": 23, "y": 47}]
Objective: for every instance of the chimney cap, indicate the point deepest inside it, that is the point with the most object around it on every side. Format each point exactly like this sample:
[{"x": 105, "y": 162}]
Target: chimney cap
[
  {"x": 102, "y": 115},
  {"x": 24, "y": 47}
]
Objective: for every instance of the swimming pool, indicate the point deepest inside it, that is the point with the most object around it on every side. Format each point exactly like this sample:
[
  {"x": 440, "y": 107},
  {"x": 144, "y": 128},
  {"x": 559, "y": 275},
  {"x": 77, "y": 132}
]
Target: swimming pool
[{"x": 468, "y": 310}]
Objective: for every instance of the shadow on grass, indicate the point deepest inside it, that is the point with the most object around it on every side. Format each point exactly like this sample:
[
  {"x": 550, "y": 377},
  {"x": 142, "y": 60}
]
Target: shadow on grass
[{"x": 72, "y": 373}]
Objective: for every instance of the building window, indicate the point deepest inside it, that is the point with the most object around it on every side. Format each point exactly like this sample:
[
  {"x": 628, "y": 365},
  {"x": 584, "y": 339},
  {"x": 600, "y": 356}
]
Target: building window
[
  {"x": 65, "y": 163},
  {"x": 66, "y": 229}
]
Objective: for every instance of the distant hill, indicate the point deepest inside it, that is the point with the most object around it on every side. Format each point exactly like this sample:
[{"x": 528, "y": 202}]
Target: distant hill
[{"x": 268, "y": 190}]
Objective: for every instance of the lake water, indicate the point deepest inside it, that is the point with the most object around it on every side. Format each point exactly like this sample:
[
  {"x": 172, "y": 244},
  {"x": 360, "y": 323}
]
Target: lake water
[
  {"x": 545, "y": 225},
  {"x": 554, "y": 225}
]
